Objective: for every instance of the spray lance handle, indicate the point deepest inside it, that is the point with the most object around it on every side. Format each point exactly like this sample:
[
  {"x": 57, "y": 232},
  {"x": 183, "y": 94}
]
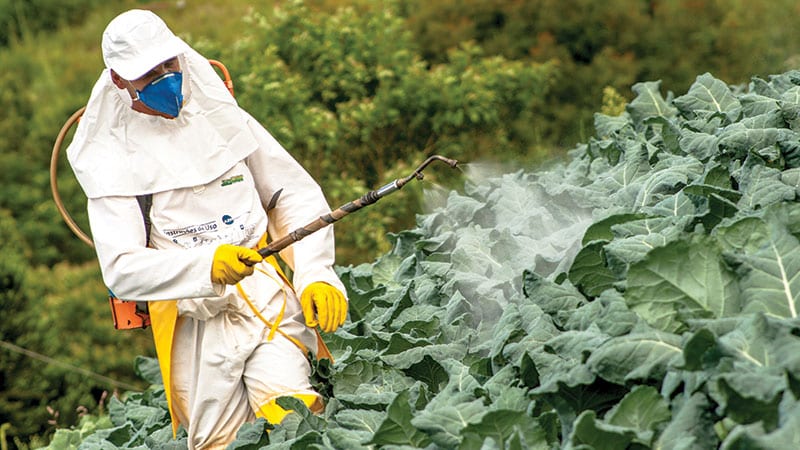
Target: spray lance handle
[{"x": 350, "y": 207}]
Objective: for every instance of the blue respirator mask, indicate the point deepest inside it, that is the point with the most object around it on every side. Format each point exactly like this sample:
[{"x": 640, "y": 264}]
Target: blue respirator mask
[{"x": 163, "y": 94}]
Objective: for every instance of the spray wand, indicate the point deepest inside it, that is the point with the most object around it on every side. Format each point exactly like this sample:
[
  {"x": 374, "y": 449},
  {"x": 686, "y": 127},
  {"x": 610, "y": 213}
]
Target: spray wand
[{"x": 350, "y": 207}]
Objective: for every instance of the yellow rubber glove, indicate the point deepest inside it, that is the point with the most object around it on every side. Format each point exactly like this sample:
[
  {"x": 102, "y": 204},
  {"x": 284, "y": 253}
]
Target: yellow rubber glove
[
  {"x": 323, "y": 305},
  {"x": 232, "y": 263}
]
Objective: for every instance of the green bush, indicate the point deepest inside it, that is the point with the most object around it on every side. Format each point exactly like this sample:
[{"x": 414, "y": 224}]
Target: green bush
[
  {"x": 39, "y": 94},
  {"x": 20, "y": 17},
  {"x": 614, "y": 43},
  {"x": 16, "y": 320}
]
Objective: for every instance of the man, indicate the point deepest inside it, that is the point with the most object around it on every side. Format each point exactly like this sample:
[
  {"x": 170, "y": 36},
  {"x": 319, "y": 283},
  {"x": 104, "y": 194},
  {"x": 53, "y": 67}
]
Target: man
[{"x": 231, "y": 334}]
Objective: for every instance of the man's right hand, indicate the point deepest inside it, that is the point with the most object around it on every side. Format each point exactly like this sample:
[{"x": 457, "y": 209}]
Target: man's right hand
[{"x": 232, "y": 263}]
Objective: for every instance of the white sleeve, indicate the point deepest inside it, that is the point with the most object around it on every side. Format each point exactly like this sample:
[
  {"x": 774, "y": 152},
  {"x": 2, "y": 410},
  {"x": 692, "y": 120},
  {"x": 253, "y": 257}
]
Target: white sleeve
[
  {"x": 134, "y": 272},
  {"x": 301, "y": 201}
]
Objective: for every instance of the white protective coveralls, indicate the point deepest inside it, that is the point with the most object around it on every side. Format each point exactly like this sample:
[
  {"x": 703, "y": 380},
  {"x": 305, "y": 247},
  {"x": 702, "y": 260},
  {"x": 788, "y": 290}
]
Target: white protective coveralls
[{"x": 211, "y": 172}]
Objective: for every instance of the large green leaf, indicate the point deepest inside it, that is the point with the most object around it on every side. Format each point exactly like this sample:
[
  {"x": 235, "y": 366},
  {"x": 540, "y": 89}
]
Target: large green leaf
[
  {"x": 601, "y": 229},
  {"x": 750, "y": 381},
  {"x": 649, "y": 103},
  {"x": 752, "y": 342},
  {"x": 762, "y": 186},
  {"x": 754, "y": 104},
  {"x": 642, "y": 410},
  {"x": 606, "y": 125},
  {"x": 366, "y": 383},
  {"x": 453, "y": 408},
  {"x": 251, "y": 436},
  {"x": 589, "y": 271},
  {"x": 719, "y": 208},
  {"x": 598, "y": 435},
  {"x": 700, "y": 350},
  {"x": 409, "y": 354},
  {"x": 500, "y": 426},
  {"x": 550, "y": 296},
  {"x": 754, "y": 437},
  {"x": 354, "y": 427},
  {"x": 683, "y": 280},
  {"x": 608, "y": 312},
  {"x": 679, "y": 204},
  {"x": 535, "y": 328},
  {"x": 569, "y": 399},
  {"x": 639, "y": 356},
  {"x": 769, "y": 120},
  {"x": 790, "y": 107},
  {"x": 65, "y": 439},
  {"x": 698, "y": 144},
  {"x": 622, "y": 182},
  {"x": 429, "y": 372},
  {"x": 308, "y": 421},
  {"x": 148, "y": 369},
  {"x": 483, "y": 252},
  {"x": 666, "y": 178},
  {"x": 396, "y": 428},
  {"x": 504, "y": 391},
  {"x": 635, "y": 239},
  {"x": 744, "y": 406},
  {"x": 507, "y": 329},
  {"x": 444, "y": 421},
  {"x": 770, "y": 276},
  {"x": 663, "y": 134},
  {"x": 358, "y": 282},
  {"x": 709, "y": 96},
  {"x": 791, "y": 177},
  {"x": 112, "y": 438},
  {"x": 744, "y": 235},
  {"x": 705, "y": 190},
  {"x": 691, "y": 426}
]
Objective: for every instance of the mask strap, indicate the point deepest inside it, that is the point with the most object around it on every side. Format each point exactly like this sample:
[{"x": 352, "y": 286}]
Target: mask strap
[{"x": 134, "y": 94}]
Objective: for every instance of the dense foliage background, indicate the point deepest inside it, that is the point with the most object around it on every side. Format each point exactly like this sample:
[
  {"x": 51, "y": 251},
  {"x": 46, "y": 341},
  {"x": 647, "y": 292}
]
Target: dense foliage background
[{"x": 360, "y": 92}]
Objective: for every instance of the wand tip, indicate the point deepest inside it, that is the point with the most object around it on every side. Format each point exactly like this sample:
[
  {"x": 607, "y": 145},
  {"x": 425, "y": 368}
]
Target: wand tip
[{"x": 451, "y": 162}]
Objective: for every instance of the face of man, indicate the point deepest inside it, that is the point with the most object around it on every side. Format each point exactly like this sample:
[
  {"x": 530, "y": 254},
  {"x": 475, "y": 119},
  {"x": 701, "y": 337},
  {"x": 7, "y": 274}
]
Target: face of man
[
  {"x": 137, "y": 85},
  {"x": 170, "y": 65}
]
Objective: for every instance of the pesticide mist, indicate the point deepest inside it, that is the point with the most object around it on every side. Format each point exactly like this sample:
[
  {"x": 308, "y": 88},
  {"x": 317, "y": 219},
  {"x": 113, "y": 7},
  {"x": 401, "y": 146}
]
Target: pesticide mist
[{"x": 501, "y": 225}]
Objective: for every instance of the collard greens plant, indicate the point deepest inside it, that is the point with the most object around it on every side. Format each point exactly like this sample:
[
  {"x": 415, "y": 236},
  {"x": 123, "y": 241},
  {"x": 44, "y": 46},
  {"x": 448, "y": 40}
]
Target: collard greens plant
[{"x": 644, "y": 294}]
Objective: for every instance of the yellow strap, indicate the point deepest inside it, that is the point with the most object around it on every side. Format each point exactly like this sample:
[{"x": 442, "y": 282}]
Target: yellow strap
[
  {"x": 322, "y": 348},
  {"x": 272, "y": 327}
]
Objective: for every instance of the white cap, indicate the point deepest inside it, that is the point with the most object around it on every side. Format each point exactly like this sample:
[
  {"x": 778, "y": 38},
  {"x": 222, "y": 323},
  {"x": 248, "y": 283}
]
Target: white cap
[{"x": 136, "y": 41}]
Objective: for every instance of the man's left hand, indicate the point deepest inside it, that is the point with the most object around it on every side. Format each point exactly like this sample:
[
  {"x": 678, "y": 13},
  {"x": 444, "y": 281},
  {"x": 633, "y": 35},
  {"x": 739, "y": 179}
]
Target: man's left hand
[{"x": 323, "y": 305}]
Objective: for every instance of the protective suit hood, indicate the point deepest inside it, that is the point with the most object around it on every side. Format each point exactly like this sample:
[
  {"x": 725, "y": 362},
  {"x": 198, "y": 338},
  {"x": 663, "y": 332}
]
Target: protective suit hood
[{"x": 117, "y": 151}]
